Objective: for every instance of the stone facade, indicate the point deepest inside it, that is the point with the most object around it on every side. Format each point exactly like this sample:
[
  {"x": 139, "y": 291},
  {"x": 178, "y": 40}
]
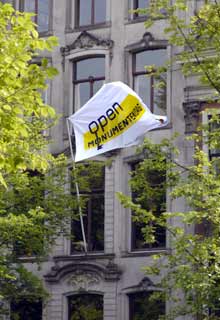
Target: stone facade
[{"x": 118, "y": 271}]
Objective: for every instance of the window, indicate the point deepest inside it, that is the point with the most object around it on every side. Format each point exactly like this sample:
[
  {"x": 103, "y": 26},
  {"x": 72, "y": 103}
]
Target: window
[
  {"x": 141, "y": 307},
  {"x": 90, "y": 12},
  {"x": 139, "y": 4},
  {"x": 41, "y": 9},
  {"x": 150, "y": 87},
  {"x": 85, "y": 306},
  {"x": 214, "y": 128},
  {"x": 93, "y": 211},
  {"x": 88, "y": 77},
  {"x": 26, "y": 310},
  {"x": 154, "y": 201}
]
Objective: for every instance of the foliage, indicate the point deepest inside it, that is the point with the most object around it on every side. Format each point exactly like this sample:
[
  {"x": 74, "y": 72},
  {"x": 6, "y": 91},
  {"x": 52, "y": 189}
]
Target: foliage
[
  {"x": 34, "y": 204},
  {"x": 86, "y": 307},
  {"x": 23, "y": 114},
  {"x": 190, "y": 269}
]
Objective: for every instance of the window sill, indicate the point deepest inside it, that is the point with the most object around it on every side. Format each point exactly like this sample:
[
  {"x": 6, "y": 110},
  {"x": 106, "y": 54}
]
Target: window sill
[
  {"x": 89, "y": 27},
  {"x": 130, "y": 20},
  {"x": 135, "y": 20},
  {"x": 31, "y": 259},
  {"x": 144, "y": 253},
  {"x": 84, "y": 256},
  {"x": 45, "y": 34}
]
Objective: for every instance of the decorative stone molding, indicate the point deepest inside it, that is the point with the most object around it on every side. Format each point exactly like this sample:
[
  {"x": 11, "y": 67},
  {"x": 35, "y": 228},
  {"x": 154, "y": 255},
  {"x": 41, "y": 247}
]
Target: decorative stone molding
[
  {"x": 83, "y": 281},
  {"x": 85, "y": 41},
  {"x": 144, "y": 285},
  {"x": 84, "y": 273},
  {"x": 147, "y": 42},
  {"x": 192, "y": 111},
  {"x": 113, "y": 272}
]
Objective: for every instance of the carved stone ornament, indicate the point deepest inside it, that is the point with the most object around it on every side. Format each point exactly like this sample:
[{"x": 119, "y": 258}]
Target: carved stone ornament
[
  {"x": 83, "y": 281},
  {"x": 192, "y": 111},
  {"x": 146, "y": 42},
  {"x": 84, "y": 274},
  {"x": 86, "y": 40},
  {"x": 144, "y": 285}
]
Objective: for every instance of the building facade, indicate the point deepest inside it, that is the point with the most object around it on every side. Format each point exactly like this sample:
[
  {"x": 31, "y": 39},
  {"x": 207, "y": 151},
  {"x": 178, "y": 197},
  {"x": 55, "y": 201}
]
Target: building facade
[{"x": 102, "y": 41}]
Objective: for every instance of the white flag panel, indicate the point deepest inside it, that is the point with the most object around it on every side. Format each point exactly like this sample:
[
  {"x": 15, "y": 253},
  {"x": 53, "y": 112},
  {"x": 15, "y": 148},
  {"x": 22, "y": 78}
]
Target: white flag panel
[{"x": 115, "y": 117}]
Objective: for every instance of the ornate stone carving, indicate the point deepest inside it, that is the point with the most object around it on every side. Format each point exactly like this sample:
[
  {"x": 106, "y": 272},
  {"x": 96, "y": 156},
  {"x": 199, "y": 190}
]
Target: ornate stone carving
[
  {"x": 147, "y": 42},
  {"x": 147, "y": 38},
  {"x": 83, "y": 281},
  {"x": 86, "y": 40},
  {"x": 144, "y": 285},
  {"x": 113, "y": 273},
  {"x": 192, "y": 111},
  {"x": 84, "y": 274}
]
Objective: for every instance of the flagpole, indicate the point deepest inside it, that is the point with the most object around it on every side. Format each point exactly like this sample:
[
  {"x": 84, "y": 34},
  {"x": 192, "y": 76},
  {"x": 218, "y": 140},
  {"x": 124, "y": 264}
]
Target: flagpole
[{"x": 77, "y": 187}]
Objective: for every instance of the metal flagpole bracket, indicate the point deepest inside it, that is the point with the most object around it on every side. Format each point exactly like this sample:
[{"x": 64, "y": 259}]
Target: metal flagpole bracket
[{"x": 77, "y": 186}]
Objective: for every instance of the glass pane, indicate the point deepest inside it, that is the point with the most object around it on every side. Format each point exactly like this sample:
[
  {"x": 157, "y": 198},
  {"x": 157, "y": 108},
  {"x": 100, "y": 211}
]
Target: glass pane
[
  {"x": 100, "y": 11},
  {"x": 97, "y": 85},
  {"x": 29, "y": 6},
  {"x": 143, "y": 308},
  {"x": 43, "y": 15},
  {"x": 143, "y": 3},
  {"x": 160, "y": 95},
  {"x": 150, "y": 57},
  {"x": 26, "y": 310},
  {"x": 155, "y": 181},
  {"x": 82, "y": 94},
  {"x": 86, "y": 306},
  {"x": 77, "y": 244},
  {"x": 143, "y": 89},
  {"x": 85, "y": 12},
  {"x": 97, "y": 225},
  {"x": 93, "y": 67}
]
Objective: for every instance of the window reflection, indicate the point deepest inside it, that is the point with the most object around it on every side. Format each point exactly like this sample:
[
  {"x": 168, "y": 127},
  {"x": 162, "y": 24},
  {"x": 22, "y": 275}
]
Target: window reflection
[
  {"x": 41, "y": 10},
  {"x": 26, "y": 310},
  {"x": 150, "y": 87},
  {"x": 155, "y": 182},
  {"x": 88, "y": 77},
  {"x": 90, "y": 12},
  {"x": 93, "y": 209},
  {"x": 85, "y": 306},
  {"x": 139, "y": 4},
  {"x": 142, "y": 307}
]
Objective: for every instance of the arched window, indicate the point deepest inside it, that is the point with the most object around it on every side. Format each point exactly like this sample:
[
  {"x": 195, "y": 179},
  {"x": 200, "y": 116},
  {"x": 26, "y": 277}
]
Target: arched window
[{"x": 85, "y": 306}]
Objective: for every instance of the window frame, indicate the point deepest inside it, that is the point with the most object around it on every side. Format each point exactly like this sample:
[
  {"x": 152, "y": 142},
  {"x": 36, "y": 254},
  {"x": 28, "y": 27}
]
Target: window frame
[
  {"x": 89, "y": 80},
  {"x": 147, "y": 246},
  {"x": 135, "y": 74},
  {"x": 38, "y": 304},
  {"x": 88, "y": 232},
  {"x": 50, "y": 15},
  {"x": 78, "y": 294},
  {"x": 134, "y": 15},
  {"x": 132, "y": 294},
  {"x": 92, "y": 16}
]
